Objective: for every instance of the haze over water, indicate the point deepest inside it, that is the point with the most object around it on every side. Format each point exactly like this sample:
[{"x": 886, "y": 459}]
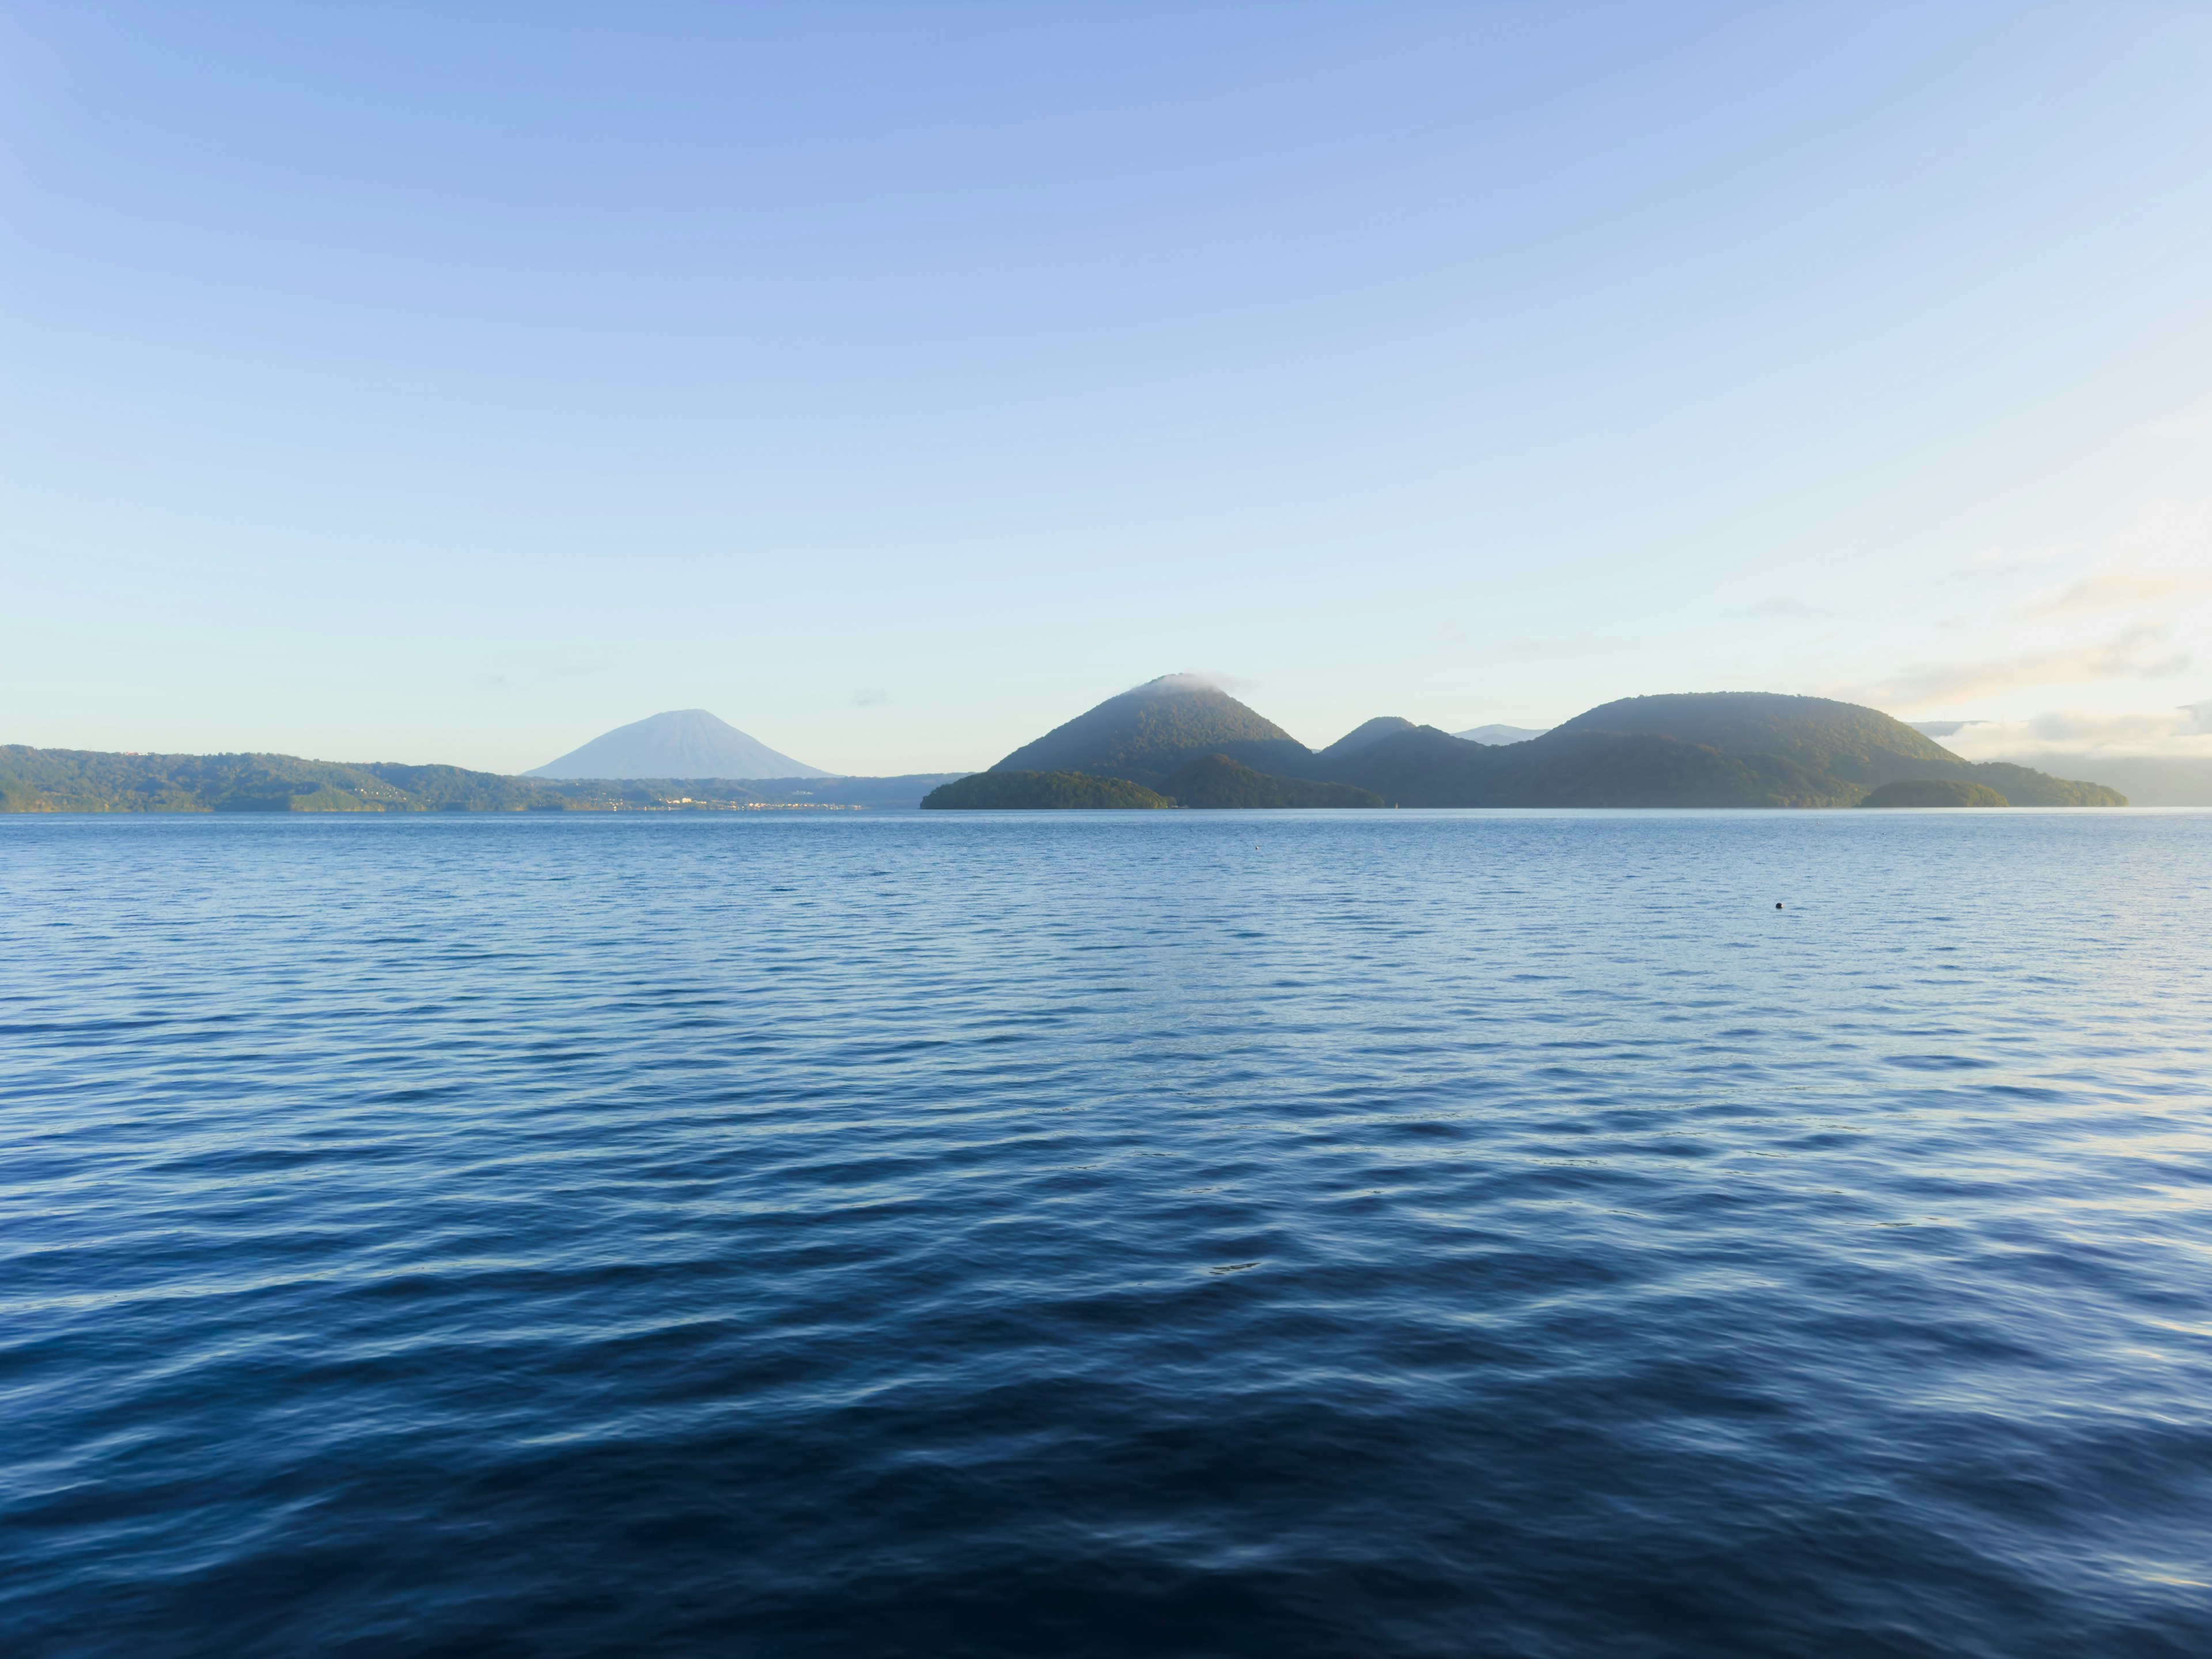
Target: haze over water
[{"x": 1170, "y": 1233}]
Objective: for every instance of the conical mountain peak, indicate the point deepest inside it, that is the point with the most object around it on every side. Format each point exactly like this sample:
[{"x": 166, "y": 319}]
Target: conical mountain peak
[
  {"x": 1150, "y": 731},
  {"x": 682, "y": 743}
]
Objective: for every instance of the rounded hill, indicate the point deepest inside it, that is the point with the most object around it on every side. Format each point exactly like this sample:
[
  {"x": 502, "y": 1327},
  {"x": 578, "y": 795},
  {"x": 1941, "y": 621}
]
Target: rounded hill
[
  {"x": 1843, "y": 739},
  {"x": 1145, "y": 733}
]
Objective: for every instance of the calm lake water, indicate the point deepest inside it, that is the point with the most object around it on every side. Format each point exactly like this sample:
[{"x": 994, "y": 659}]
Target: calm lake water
[{"x": 1383, "y": 1233}]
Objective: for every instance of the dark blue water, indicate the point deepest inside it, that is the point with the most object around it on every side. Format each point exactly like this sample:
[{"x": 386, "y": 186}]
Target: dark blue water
[{"x": 1176, "y": 1233}]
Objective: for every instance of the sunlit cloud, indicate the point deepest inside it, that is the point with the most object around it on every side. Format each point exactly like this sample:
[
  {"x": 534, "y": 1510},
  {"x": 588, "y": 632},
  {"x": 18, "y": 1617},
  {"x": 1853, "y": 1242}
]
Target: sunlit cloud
[
  {"x": 2167, "y": 734},
  {"x": 2143, "y": 652},
  {"x": 2105, "y": 591}
]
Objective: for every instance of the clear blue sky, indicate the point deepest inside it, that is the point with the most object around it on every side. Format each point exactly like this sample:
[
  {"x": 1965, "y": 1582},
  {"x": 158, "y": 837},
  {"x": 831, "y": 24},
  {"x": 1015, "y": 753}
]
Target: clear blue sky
[{"x": 455, "y": 382}]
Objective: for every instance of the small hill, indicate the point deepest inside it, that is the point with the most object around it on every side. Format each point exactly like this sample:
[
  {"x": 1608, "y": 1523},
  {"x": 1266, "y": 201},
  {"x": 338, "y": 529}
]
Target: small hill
[
  {"x": 684, "y": 743},
  {"x": 1501, "y": 734},
  {"x": 1216, "y": 780},
  {"x": 1143, "y": 734},
  {"x": 1370, "y": 731},
  {"x": 2023, "y": 786},
  {"x": 1934, "y": 792},
  {"x": 1039, "y": 792}
]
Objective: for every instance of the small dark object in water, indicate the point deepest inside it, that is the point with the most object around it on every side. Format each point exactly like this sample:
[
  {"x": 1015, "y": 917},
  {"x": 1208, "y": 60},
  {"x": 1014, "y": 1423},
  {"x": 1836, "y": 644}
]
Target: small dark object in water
[{"x": 1777, "y": 904}]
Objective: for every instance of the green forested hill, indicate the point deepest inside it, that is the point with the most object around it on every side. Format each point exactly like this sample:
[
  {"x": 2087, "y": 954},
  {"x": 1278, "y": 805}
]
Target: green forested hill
[
  {"x": 1039, "y": 792},
  {"x": 2023, "y": 786},
  {"x": 1700, "y": 749},
  {"x": 1934, "y": 791},
  {"x": 1360, "y": 736},
  {"x": 1144, "y": 735},
  {"x": 1429, "y": 767},
  {"x": 1842, "y": 741},
  {"x": 1216, "y": 780},
  {"x": 91, "y": 780},
  {"x": 1599, "y": 768}
]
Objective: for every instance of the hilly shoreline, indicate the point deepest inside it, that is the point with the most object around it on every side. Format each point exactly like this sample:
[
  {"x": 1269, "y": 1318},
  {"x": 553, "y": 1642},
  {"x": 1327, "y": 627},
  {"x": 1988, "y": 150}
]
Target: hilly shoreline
[
  {"x": 95, "y": 780},
  {"x": 1725, "y": 749},
  {"x": 1172, "y": 742}
]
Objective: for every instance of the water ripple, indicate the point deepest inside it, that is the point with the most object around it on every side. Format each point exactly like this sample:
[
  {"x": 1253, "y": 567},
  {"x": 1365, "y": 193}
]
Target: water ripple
[{"x": 1197, "y": 1234}]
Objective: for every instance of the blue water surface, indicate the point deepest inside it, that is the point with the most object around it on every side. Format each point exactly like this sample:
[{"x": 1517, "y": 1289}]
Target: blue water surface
[{"x": 1177, "y": 1233}]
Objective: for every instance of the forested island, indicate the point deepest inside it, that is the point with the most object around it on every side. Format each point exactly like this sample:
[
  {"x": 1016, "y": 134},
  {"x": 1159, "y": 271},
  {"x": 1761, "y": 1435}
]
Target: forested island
[{"x": 1199, "y": 746}]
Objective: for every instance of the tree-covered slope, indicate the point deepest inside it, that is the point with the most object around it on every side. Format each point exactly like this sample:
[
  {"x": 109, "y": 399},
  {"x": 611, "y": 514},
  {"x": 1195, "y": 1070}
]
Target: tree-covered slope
[
  {"x": 1216, "y": 780},
  {"x": 1845, "y": 741},
  {"x": 1828, "y": 747},
  {"x": 1429, "y": 767},
  {"x": 1360, "y": 737},
  {"x": 1934, "y": 791},
  {"x": 1039, "y": 792},
  {"x": 2023, "y": 786},
  {"x": 1144, "y": 735},
  {"x": 2147, "y": 779},
  {"x": 92, "y": 781}
]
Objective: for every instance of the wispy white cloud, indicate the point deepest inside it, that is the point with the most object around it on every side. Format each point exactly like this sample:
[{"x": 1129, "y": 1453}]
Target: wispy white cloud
[
  {"x": 2170, "y": 733},
  {"x": 2160, "y": 550},
  {"x": 2192, "y": 423},
  {"x": 2010, "y": 561},
  {"x": 1200, "y": 680},
  {"x": 2143, "y": 652},
  {"x": 2104, "y": 591}
]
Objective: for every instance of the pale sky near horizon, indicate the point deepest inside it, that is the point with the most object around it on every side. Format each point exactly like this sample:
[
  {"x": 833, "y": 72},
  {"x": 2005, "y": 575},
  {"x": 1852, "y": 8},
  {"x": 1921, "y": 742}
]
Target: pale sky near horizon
[{"x": 425, "y": 382}]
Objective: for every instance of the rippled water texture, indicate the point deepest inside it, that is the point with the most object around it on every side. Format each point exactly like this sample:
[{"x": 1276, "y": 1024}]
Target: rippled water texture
[{"x": 1170, "y": 1233}]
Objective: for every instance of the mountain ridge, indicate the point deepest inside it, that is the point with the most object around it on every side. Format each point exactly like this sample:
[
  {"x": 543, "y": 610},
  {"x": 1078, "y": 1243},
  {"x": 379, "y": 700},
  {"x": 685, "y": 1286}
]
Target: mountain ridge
[
  {"x": 1676, "y": 750},
  {"x": 1723, "y": 748}
]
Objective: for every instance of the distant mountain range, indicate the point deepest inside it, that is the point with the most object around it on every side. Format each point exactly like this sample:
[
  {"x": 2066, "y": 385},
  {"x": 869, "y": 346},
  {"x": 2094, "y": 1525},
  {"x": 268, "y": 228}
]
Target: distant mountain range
[
  {"x": 1713, "y": 749},
  {"x": 684, "y": 743},
  {"x": 1174, "y": 741}
]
